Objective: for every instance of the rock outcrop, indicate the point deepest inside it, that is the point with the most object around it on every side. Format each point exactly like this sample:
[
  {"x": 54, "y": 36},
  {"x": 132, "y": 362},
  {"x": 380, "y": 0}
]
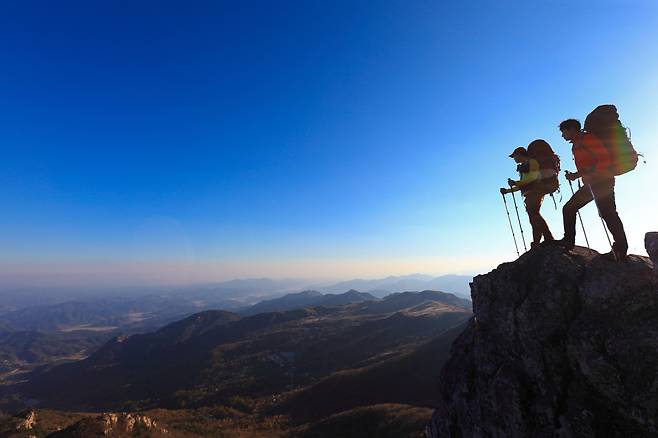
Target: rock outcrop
[
  {"x": 651, "y": 243},
  {"x": 28, "y": 421},
  {"x": 115, "y": 425},
  {"x": 561, "y": 344}
]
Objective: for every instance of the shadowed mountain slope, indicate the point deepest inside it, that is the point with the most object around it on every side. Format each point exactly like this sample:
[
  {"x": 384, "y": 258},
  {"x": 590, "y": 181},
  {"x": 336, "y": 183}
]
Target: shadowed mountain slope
[
  {"x": 307, "y": 299},
  {"x": 5, "y": 327},
  {"x": 382, "y": 421},
  {"x": 212, "y": 356},
  {"x": 26, "y": 347},
  {"x": 401, "y": 379},
  {"x": 404, "y": 300}
]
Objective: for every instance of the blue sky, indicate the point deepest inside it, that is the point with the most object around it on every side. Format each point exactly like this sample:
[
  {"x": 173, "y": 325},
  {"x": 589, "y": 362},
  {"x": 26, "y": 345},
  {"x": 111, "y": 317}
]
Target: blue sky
[{"x": 194, "y": 141}]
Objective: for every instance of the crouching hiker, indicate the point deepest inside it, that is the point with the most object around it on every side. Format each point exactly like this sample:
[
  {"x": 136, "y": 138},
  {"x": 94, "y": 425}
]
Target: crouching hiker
[
  {"x": 533, "y": 186},
  {"x": 593, "y": 164}
]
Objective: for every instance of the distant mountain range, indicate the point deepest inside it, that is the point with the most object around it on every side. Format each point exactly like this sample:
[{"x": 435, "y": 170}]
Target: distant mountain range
[
  {"x": 212, "y": 356},
  {"x": 142, "y": 312},
  {"x": 232, "y": 294},
  {"x": 35, "y": 332},
  {"x": 125, "y": 313},
  {"x": 454, "y": 284}
]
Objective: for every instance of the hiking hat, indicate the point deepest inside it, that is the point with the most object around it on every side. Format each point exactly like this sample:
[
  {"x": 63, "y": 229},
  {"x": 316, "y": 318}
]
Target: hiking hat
[{"x": 520, "y": 150}]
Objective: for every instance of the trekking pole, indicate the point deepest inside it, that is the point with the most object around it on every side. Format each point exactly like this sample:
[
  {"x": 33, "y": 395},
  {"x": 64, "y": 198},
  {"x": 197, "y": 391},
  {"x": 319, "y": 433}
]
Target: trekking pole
[
  {"x": 605, "y": 228},
  {"x": 525, "y": 248},
  {"x": 579, "y": 216},
  {"x": 510, "y": 225}
]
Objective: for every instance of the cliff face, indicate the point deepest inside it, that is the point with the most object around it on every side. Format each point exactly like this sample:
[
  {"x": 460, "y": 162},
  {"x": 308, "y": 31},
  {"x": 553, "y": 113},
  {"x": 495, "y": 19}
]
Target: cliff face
[{"x": 561, "y": 344}]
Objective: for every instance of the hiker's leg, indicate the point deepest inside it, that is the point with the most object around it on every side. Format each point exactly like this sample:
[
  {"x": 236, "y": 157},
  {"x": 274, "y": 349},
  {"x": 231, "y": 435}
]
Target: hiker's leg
[
  {"x": 539, "y": 225},
  {"x": 532, "y": 204},
  {"x": 546, "y": 232},
  {"x": 605, "y": 198},
  {"x": 580, "y": 199}
]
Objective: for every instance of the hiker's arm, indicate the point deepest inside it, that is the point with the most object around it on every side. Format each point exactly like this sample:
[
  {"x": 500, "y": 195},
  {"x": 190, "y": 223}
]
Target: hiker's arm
[
  {"x": 503, "y": 190},
  {"x": 512, "y": 186}
]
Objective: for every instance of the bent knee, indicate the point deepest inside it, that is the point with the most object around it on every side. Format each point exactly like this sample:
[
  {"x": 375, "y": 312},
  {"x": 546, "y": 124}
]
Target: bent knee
[
  {"x": 569, "y": 209},
  {"x": 609, "y": 213}
]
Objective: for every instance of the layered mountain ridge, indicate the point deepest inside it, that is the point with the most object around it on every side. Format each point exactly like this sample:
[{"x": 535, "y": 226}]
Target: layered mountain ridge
[
  {"x": 307, "y": 298},
  {"x": 212, "y": 356}
]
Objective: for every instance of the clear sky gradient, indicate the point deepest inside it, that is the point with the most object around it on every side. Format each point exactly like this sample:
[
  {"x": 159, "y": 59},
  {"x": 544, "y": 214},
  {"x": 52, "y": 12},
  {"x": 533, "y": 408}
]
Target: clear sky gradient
[{"x": 198, "y": 141}]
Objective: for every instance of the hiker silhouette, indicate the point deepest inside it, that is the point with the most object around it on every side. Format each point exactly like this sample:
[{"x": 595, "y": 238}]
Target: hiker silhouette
[
  {"x": 537, "y": 178},
  {"x": 596, "y": 167}
]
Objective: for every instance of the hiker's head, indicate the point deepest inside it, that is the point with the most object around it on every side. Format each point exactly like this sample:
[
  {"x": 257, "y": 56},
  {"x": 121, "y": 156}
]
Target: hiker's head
[
  {"x": 519, "y": 155},
  {"x": 570, "y": 129}
]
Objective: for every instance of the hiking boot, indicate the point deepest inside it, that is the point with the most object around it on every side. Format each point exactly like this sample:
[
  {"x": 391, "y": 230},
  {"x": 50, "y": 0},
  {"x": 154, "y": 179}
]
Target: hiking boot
[
  {"x": 609, "y": 256},
  {"x": 616, "y": 255}
]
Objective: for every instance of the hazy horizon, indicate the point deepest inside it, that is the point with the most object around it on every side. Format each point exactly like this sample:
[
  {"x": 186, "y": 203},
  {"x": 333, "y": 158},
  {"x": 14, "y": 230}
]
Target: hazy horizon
[{"x": 102, "y": 277}]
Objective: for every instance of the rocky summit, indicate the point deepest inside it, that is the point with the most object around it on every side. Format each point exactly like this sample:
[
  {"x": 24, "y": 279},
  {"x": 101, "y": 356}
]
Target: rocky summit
[{"x": 561, "y": 344}]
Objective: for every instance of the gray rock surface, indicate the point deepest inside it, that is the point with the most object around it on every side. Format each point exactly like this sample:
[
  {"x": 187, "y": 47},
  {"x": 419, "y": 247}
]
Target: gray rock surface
[
  {"x": 651, "y": 244},
  {"x": 561, "y": 344}
]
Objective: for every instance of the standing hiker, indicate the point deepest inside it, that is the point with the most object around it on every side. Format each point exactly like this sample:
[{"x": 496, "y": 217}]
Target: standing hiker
[
  {"x": 533, "y": 184},
  {"x": 594, "y": 164}
]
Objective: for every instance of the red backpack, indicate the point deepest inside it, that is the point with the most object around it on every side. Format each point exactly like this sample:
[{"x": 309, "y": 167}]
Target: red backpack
[{"x": 604, "y": 123}]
